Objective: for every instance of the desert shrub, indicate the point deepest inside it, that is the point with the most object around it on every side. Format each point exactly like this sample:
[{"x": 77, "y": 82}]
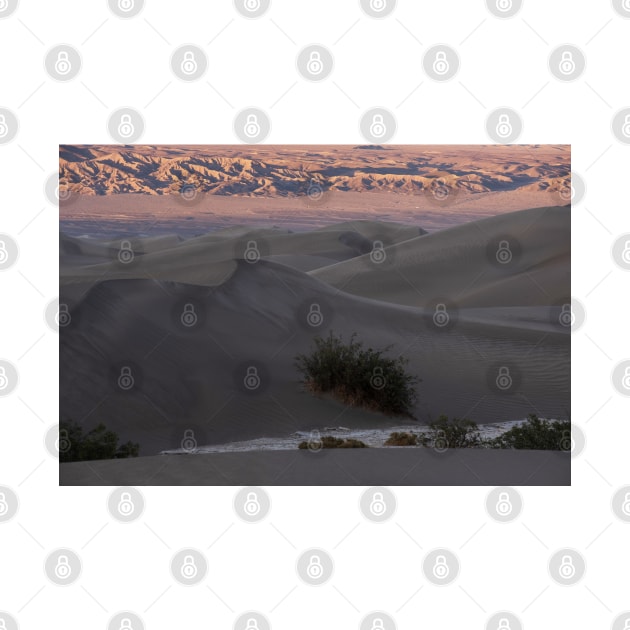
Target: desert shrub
[
  {"x": 328, "y": 441},
  {"x": 98, "y": 443},
  {"x": 534, "y": 433},
  {"x": 358, "y": 376},
  {"x": 456, "y": 433},
  {"x": 402, "y": 439}
]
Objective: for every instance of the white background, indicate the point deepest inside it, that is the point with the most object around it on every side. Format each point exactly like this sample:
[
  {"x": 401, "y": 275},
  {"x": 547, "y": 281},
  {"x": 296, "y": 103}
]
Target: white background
[{"x": 252, "y": 63}]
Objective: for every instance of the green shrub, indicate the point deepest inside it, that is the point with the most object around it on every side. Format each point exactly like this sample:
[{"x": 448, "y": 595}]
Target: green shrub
[
  {"x": 357, "y": 376},
  {"x": 328, "y": 441},
  {"x": 456, "y": 433},
  {"x": 99, "y": 443},
  {"x": 534, "y": 434},
  {"x": 545, "y": 435},
  {"x": 402, "y": 439}
]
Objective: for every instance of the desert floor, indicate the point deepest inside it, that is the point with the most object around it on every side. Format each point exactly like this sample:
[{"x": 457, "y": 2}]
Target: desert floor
[{"x": 366, "y": 467}]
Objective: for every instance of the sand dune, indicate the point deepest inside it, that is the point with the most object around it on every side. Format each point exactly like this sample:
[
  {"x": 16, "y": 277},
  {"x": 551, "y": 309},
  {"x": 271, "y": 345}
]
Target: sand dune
[
  {"x": 255, "y": 315},
  {"x": 207, "y": 260},
  {"x": 459, "y": 265}
]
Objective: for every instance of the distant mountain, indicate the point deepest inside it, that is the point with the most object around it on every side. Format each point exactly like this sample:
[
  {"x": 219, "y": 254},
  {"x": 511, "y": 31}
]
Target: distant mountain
[{"x": 291, "y": 171}]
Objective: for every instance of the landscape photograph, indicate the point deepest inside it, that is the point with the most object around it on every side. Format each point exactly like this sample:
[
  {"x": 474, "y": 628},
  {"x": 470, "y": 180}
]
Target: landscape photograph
[{"x": 260, "y": 315}]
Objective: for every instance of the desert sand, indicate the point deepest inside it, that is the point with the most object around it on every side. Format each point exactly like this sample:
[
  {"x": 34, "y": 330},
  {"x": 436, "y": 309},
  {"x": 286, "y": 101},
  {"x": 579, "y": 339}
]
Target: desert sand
[
  {"x": 193, "y": 277},
  {"x": 256, "y": 315},
  {"x": 364, "y": 467}
]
